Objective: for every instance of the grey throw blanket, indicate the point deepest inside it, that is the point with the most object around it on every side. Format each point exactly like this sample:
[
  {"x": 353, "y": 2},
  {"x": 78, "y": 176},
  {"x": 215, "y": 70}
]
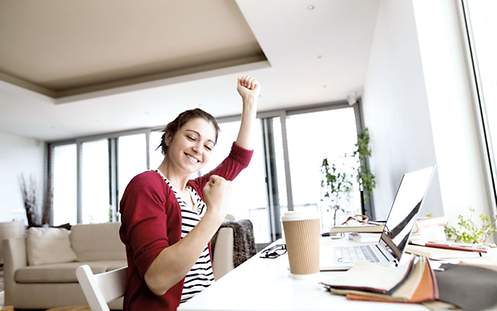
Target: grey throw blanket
[{"x": 243, "y": 240}]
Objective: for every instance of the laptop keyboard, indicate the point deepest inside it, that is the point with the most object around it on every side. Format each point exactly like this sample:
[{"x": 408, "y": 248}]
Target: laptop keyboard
[{"x": 354, "y": 253}]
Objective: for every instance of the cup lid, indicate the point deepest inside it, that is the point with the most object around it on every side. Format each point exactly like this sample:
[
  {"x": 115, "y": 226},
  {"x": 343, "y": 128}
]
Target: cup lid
[{"x": 299, "y": 215}]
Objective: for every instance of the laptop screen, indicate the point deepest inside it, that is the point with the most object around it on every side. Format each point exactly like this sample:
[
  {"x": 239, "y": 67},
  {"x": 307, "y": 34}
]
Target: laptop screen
[{"x": 405, "y": 209}]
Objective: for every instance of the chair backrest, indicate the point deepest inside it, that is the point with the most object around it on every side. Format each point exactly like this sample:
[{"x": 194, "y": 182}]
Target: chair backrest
[
  {"x": 101, "y": 288},
  {"x": 223, "y": 253},
  {"x": 233, "y": 244}
]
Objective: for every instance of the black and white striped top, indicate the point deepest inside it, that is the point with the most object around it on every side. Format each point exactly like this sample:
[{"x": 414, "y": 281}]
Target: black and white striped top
[{"x": 200, "y": 275}]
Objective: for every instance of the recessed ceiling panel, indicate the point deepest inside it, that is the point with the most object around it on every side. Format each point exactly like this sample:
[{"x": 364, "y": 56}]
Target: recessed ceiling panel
[{"x": 63, "y": 48}]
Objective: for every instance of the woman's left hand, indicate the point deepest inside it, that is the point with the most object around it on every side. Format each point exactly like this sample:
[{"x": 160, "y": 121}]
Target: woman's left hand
[{"x": 248, "y": 88}]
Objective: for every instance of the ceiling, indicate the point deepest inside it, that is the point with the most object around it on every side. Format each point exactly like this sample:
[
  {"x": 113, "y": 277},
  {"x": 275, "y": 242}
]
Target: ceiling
[
  {"x": 95, "y": 66},
  {"x": 61, "y": 50}
]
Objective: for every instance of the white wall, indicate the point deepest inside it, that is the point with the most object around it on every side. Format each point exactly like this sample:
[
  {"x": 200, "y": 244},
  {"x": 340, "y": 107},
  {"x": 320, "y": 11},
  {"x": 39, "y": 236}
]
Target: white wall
[
  {"x": 396, "y": 109},
  {"x": 18, "y": 155},
  {"x": 419, "y": 107},
  {"x": 452, "y": 109}
]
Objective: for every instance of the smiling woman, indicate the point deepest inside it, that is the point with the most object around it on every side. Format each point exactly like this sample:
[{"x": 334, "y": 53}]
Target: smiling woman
[
  {"x": 188, "y": 140},
  {"x": 168, "y": 219}
]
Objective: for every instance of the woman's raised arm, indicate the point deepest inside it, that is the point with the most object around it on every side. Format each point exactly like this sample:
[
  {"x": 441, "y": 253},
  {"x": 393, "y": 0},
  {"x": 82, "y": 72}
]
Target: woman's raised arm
[{"x": 249, "y": 90}]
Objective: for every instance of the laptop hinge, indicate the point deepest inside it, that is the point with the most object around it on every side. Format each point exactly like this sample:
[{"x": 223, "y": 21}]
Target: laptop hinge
[{"x": 383, "y": 250}]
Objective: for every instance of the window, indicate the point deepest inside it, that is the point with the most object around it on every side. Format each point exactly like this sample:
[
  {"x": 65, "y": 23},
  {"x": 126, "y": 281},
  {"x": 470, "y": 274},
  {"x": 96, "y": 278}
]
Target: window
[
  {"x": 156, "y": 155},
  {"x": 275, "y": 169},
  {"x": 132, "y": 159},
  {"x": 262, "y": 193},
  {"x": 95, "y": 182},
  {"x": 64, "y": 184},
  {"x": 248, "y": 197},
  {"x": 480, "y": 26},
  {"x": 312, "y": 137}
]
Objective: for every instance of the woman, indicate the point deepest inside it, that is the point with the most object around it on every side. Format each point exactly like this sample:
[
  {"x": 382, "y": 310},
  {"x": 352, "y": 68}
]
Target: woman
[{"x": 168, "y": 219}]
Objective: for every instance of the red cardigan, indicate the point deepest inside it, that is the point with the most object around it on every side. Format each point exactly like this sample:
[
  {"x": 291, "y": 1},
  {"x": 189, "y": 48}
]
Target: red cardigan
[{"x": 151, "y": 221}]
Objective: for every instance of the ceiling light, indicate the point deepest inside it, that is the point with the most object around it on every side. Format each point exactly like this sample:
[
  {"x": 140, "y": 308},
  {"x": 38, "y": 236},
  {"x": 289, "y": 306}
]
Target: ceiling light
[
  {"x": 353, "y": 98},
  {"x": 311, "y": 7}
]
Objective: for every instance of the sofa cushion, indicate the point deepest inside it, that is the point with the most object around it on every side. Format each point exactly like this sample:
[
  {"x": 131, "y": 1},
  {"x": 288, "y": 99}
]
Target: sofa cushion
[
  {"x": 62, "y": 272},
  {"x": 48, "y": 245},
  {"x": 93, "y": 242}
]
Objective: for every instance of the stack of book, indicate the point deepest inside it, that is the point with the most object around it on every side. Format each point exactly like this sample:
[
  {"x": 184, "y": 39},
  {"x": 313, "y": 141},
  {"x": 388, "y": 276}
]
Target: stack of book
[
  {"x": 429, "y": 228},
  {"x": 413, "y": 282},
  {"x": 360, "y": 228}
]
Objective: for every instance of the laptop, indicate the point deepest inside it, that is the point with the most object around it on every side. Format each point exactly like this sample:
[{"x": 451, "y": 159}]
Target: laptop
[{"x": 398, "y": 227}]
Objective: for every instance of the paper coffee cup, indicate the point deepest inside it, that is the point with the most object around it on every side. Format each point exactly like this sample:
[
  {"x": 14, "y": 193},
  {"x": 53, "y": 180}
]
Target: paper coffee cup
[{"x": 302, "y": 235}]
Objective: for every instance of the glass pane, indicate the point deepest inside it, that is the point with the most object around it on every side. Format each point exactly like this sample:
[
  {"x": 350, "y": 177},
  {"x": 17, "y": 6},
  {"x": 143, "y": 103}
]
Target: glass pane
[
  {"x": 156, "y": 156},
  {"x": 483, "y": 24},
  {"x": 311, "y": 138},
  {"x": 249, "y": 188},
  {"x": 132, "y": 159},
  {"x": 64, "y": 181},
  {"x": 95, "y": 182}
]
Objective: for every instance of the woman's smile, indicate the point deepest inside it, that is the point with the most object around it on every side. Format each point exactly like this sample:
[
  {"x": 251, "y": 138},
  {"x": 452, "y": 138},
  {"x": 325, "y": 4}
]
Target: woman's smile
[{"x": 192, "y": 159}]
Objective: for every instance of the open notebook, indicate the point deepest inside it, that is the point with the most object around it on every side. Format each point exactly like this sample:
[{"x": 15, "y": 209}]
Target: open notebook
[{"x": 412, "y": 282}]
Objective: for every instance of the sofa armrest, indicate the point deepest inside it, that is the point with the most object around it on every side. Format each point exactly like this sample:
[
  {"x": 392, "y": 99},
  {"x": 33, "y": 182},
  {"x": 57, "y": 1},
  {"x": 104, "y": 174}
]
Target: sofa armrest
[{"x": 14, "y": 254}]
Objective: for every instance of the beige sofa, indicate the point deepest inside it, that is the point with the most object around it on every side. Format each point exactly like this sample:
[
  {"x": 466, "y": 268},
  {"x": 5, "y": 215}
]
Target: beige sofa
[
  {"x": 51, "y": 285},
  {"x": 99, "y": 246}
]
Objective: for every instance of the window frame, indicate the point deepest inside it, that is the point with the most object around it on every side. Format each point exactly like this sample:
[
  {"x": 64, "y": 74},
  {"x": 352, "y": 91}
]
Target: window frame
[
  {"x": 488, "y": 158},
  {"x": 262, "y": 116}
]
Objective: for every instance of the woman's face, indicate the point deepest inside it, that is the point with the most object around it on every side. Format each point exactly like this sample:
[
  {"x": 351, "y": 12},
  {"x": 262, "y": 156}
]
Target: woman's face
[{"x": 191, "y": 147}]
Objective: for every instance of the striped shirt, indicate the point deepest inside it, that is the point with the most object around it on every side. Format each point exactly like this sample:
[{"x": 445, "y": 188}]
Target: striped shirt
[{"x": 200, "y": 275}]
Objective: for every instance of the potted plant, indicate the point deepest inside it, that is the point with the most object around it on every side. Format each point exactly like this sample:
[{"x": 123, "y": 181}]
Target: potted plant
[
  {"x": 365, "y": 177},
  {"x": 30, "y": 200},
  {"x": 30, "y": 197},
  {"x": 336, "y": 185},
  {"x": 468, "y": 231},
  {"x": 337, "y": 180}
]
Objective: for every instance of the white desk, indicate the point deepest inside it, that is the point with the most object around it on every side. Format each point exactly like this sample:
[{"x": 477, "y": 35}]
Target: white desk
[{"x": 265, "y": 284}]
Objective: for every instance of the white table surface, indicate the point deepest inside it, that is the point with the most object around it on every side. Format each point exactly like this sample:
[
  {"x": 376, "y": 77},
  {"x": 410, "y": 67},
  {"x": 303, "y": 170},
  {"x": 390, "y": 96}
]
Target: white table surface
[{"x": 266, "y": 284}]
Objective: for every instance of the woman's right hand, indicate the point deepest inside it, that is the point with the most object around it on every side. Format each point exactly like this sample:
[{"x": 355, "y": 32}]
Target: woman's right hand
[{"x": 215, "y": 193}]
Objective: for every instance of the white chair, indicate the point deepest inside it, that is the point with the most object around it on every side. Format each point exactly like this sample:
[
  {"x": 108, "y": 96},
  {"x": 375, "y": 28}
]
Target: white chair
[
  {"x": 223, "y": 253},
  {"x": 234, "y": 243},
  {"x": 101, "y": 288}
]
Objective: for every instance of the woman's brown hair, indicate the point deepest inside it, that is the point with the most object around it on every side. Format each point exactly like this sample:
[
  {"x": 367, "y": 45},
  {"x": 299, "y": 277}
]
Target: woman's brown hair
[{"x": 173, "y": 126}]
